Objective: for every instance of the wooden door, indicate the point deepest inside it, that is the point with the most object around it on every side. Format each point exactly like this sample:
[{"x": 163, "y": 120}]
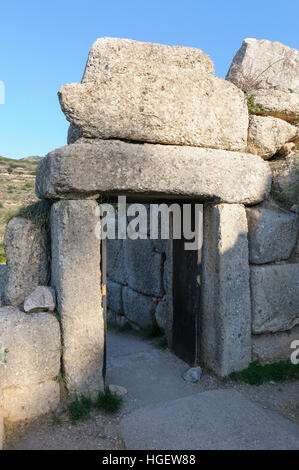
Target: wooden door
[{"x": 186, "y": 300}]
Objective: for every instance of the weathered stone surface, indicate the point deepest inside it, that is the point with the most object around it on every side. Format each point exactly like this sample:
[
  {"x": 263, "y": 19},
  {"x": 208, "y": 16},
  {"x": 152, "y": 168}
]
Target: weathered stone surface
[
  {"x": 138, "y": 308},
  {"x": 226, "y": 317},
  {"x": 33, "y": 343},
  {"x": 76, "y": 276},
  {"x": 272, "y": 233},
  {"x": 30, "y": 402},
  {"x": 176, "y": 107},
  {"x": 118, "y": 390},
  {"x": 115, "y": 261},
  {"x": 275, "y": 347},
  {"x": 214, "y": 419},
  {"x": 265, "y": 64},
  {"x": 143, "y": 267},
  {"x": 278, "y": 104},
  {"x": 3, "y": 276},
  {"x": 155, "y": 93},
  {"x": 161, "y": 313},
  {"x": 266, "y": 135},
  {"x": 115, "y": 55},
  {"x": 114, "y": 297},
  {"x": 275, "y": 297},
  {"x": 286, "y": 150},
  {"x": 27, "y": 253},
  {"x": 285, "y": 187},
  {"x": 73, "y": 134},
  {"x": 42, "y": 299},
  {"x": 193, "y": 374},
  {"x": 86, "y": 169}
]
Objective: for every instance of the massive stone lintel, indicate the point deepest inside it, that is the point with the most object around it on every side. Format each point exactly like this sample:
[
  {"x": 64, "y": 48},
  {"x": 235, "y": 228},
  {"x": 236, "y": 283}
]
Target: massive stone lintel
[
  {"x": 225, "y": 338},
  {"x": 76, "y": 276},
  {"x": 88, "y": 168}
]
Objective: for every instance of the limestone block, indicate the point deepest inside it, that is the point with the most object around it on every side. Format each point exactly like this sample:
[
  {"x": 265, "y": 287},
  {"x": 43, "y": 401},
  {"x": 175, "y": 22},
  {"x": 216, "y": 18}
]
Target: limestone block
[
  {"x": 275, "y": 347},
  {"x": 266, "y": 135},
  {"x": 34, "y": 347},
  {"x": 226, "y": 318},
  {"x": 260, "y": 63},
  {"x": 275, "y": 297},
  {"x": 87, "y": 168},
  {"x": 138, "y": 308},
  {"x": 278, "y": 104},
  {"x": 76, "y": 277},
  {"x": 27, "y": 254},
  {"x": 285, "y": 187},
  {"x": 161, "y": 313},
  {"x": 272, "y": 233},
  {"x": 30, "y": 402},
  {"x": 115, "y": 261},
  {"x": 42, "y": 299},
  {"x": 114, "y": 297},
  {"x": 143, "y": 267},
  {"x": 155, "y": 93}
]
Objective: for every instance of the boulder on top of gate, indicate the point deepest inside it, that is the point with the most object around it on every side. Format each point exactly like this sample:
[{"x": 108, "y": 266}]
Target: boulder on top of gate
[{"x": 154, "y": 93}]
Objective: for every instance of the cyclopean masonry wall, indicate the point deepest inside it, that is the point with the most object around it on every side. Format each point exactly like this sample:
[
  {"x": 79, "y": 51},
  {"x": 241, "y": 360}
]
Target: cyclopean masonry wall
[{"x": 152, "y": 121}]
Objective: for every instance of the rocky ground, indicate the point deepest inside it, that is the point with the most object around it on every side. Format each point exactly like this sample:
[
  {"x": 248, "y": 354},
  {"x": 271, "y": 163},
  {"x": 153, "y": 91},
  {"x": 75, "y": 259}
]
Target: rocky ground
[{"x": 151, "y": 376}]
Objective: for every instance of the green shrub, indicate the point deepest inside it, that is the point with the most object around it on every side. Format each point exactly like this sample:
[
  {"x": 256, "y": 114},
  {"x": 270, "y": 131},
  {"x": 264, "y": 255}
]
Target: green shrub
[
  {"x": 108, "y": 402},
  {"x": 251, "y": 106},
  {"x": 257, "y": 374},
  {"x": 81, "y": 408}
]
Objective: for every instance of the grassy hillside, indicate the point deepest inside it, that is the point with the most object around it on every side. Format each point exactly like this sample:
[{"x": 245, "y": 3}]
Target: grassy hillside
[{"x": 17, "y": 181}]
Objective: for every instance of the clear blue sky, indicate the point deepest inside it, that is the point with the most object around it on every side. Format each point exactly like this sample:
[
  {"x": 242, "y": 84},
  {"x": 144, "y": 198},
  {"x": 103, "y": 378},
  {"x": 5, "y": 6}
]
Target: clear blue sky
[{"x": 44, "y": 44}]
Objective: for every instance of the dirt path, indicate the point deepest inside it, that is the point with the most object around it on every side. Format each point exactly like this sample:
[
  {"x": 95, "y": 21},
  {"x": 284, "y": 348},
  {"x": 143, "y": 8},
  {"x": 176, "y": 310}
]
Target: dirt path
[{"x": 150, "y": 375}]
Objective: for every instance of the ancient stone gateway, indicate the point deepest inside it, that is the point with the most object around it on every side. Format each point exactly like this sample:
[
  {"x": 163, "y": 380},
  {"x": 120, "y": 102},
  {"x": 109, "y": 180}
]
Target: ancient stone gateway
[
  {"x": 153, "y": 123},
  {"x": 89, "y": 169},
  {"x": 187, "y": 133}
]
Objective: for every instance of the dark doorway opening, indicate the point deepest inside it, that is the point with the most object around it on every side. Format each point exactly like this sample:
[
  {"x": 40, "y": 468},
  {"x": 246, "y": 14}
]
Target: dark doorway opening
[{"x": 186, "y": 299}]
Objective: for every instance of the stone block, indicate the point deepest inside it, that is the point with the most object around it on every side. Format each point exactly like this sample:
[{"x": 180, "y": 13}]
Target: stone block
[
  {"x": 27, "y": 254},
  {"x": 268, "y": 348},
  {"x": 272, "y": 233},
  {"x": 30, "y": 402},
  {"x": 143, "y": 267},
  {"x": 76, "y": 277},
  {"x": 114, "y": 297},
  {"x": 173, "y": 97},
  {"x": 275, "y": 297},
  {"x": 225, "y": 337},
  {"x": 138, "y": 308},
  {"x": 267, "y": 135},
  {"x": 88, "y": 168},
  {"x": 42, "y": 299},
  {"x": 34, "y": 347}
]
